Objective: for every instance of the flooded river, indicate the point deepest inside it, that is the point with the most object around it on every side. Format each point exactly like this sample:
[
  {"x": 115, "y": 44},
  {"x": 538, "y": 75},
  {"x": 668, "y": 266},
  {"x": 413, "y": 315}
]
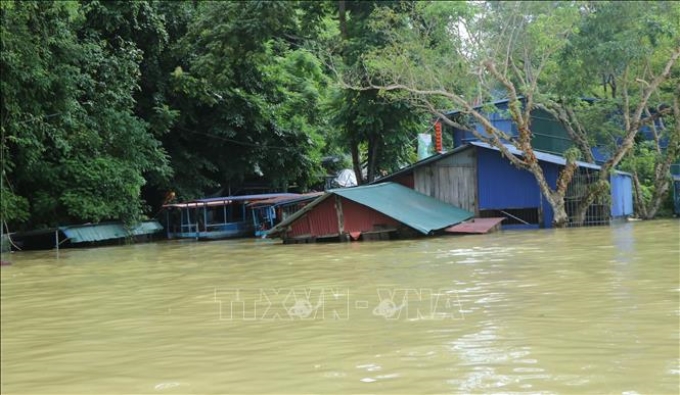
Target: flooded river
[{"x": 593, "y": 310}]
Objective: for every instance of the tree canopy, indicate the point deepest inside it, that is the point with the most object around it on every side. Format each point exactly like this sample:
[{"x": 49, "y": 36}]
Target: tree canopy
[{"x": 109, "y": 106}]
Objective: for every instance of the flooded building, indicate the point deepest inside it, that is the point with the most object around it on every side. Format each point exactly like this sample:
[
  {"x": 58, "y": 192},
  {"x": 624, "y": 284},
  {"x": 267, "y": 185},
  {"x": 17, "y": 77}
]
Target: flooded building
[
  {"x": 369, "y": 212},
  {"x": 476, "y": 177}
]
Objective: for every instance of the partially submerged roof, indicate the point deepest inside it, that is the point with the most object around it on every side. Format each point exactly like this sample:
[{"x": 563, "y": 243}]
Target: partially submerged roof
[
  {"x": 420, "y": 212},
  {"x": 476, "y": 226},
  {"x": 220, "y": 201},
  {"x": 108, "y": 231}
]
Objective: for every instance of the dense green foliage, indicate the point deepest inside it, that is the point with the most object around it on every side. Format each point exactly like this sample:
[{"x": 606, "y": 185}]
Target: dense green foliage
[{"x": 109, "y": 106}]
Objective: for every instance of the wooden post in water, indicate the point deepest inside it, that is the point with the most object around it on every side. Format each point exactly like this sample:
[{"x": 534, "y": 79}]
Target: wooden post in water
[{"x": 56, "y": 239}]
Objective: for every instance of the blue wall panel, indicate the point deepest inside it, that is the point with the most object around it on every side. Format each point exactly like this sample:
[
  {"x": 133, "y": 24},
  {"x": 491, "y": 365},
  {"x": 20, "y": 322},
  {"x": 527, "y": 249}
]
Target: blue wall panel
[
  {"x": 622, "y": 195},
  {"x": 551, "y": 172},
  {"x": 501, "y": 185}
]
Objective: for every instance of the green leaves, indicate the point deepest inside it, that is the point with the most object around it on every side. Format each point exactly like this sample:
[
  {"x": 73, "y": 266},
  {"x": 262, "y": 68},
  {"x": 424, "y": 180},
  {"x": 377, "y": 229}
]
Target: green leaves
[{"x": 75, "y": 151}]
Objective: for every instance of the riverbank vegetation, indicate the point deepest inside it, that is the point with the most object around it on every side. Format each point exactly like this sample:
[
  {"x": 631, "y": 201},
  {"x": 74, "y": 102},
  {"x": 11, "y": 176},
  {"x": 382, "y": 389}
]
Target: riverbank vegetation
[{"x": 109, "y": 106}]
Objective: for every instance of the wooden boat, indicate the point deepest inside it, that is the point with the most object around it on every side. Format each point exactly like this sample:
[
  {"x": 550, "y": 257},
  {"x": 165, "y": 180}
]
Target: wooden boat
[{"x": 215, "y": 218}]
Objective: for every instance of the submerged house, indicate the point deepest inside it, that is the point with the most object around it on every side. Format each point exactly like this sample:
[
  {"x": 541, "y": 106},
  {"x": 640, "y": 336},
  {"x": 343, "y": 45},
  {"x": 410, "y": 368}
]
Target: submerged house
[
  {"x": 214, "y": 218},
  {"x": 85, "y": 235},
  {"x": 477, "y": 178},
  {"x": 269, "y": 212},
  {"x": 369, "y": 212}
]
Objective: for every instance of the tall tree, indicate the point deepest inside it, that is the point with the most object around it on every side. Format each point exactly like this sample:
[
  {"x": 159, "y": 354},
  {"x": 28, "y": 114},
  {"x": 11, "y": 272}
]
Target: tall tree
[
  {"x": 73, "y": 148},
  {"x": 631, "y": 69},
  {"x": 378, "y": 128},
  {"x": 245, "y": 98},
  {"x": 459, "y": 54}
]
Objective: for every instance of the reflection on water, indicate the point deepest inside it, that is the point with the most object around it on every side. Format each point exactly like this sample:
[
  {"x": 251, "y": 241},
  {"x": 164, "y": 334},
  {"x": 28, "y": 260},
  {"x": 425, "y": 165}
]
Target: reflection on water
[{"x": 592, "y": 310}]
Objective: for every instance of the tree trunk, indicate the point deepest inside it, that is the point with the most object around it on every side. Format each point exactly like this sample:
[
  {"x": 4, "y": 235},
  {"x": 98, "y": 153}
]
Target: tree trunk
[
  {"x": 356, "y": 161},
  {"x": 373, "y": 145},
  {"x": 560, "y": 217},
  {"x": 554, "y": 198},
  {"x": 661, "y": 186},
  {"x": 640, "y": 207}
]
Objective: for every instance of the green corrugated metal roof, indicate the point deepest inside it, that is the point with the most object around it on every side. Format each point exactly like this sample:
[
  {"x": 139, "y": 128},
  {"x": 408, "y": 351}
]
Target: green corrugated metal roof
[
  {"x": 421, "y": 212},
  {"x": 108, "y": 231}
]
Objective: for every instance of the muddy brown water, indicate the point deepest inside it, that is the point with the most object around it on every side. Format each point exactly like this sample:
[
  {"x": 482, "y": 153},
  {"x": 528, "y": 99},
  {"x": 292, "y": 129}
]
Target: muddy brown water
[{"x": 593, "y": 310}]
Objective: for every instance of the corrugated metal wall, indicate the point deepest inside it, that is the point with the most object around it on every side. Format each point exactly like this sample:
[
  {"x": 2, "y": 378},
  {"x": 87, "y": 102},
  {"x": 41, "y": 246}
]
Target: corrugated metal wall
[
  {"x": 502, "y": 186},
  {"x": 622, "y": 195},
  {"x": 322, "y": 220},
  {"x": 359, "y": 218},
  {"x": 548, "y": 133}
]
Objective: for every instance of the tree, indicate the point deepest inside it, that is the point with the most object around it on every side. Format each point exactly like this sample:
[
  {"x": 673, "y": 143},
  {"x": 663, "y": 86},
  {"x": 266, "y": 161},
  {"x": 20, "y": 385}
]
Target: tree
[
  {"x": 377, "y": 127},
  {"x": 245, "y": 98},
  {"x": 461, "y": 54},
  {"x": 73, "y": 149},
  {"x": 458, "y": 54},
  {"x": 632, "y": 71}
]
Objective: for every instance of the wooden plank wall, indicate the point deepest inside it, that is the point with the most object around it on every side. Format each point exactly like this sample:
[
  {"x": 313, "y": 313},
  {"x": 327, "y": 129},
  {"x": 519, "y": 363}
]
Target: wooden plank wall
[{"x": 452, "y": 180}]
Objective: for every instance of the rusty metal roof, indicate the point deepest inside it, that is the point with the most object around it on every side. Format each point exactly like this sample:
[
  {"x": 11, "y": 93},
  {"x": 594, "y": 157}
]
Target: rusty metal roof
[
  {"x": 414, "y": 209},
  {"x": 476, "y": 225}
]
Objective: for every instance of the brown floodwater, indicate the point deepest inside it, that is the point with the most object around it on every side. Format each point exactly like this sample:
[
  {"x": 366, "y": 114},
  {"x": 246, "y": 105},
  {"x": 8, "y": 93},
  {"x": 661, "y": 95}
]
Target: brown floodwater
[{"x": 592, "y": 310}]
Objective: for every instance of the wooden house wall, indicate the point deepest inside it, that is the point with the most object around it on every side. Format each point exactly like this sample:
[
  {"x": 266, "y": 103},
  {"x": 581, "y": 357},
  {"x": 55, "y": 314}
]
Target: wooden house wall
[{"x": 451, "y": 180}]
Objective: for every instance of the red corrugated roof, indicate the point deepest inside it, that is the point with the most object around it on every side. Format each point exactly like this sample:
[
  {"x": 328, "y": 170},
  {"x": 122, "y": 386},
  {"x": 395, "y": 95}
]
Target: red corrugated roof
[{"x": 476, "y": 225}]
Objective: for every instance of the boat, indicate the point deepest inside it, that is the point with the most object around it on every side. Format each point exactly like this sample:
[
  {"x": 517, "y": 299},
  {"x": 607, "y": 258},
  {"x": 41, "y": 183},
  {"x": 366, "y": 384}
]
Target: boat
[
  {"x": 270, "y": 212},
  {"x": 215, "y": 218}
]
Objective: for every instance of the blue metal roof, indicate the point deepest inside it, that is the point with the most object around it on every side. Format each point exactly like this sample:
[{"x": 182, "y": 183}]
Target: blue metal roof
[
  {"x": 541, "y": 156},
  {"x": 420, "y": 212}
]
